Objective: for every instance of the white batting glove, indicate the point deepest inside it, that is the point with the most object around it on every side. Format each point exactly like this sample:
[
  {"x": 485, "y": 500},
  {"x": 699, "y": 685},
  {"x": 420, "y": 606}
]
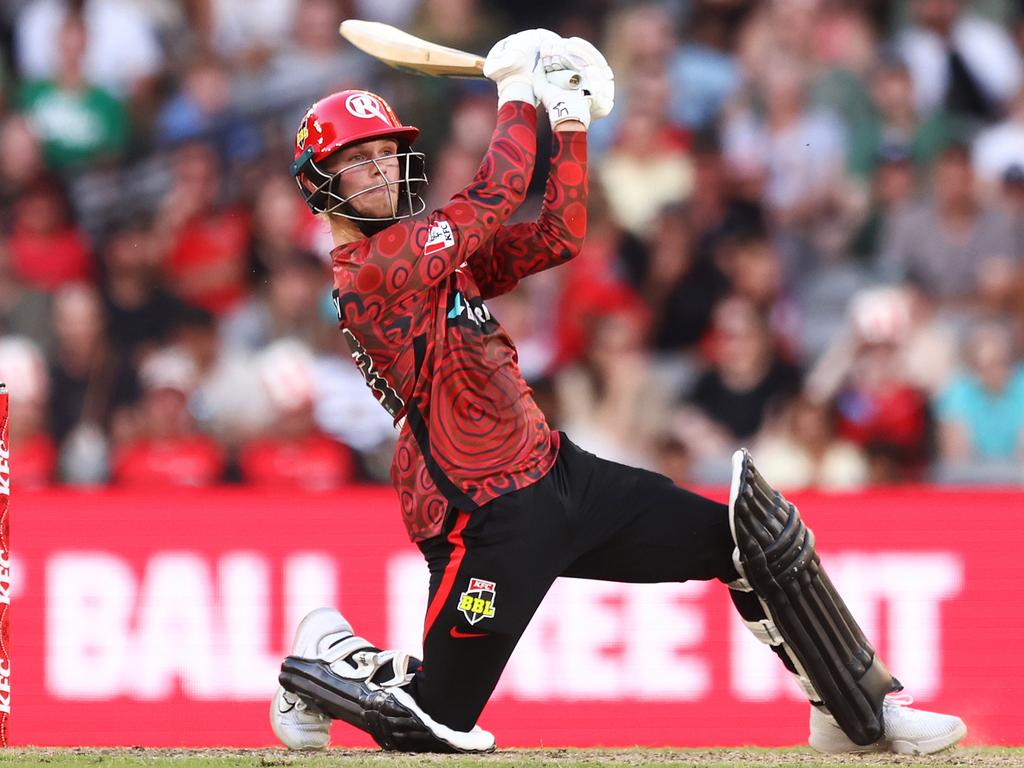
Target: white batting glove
[
  {"x": 577, "y": 54},
  {"x": 560, "y": 93},
  {"x": 511, "y": 61}
]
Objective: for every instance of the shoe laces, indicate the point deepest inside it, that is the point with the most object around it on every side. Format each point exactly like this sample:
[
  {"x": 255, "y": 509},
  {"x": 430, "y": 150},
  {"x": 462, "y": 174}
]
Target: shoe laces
[
  {"x": 300, "y": 705},
  {"x": 369, "y": 658},
  {"x": 899, "y": 698}
]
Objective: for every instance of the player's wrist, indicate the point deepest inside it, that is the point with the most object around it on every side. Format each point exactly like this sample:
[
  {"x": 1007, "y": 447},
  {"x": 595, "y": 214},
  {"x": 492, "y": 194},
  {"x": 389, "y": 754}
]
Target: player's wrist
[
  {"x": 570, "y": 126},
  {"x": 516, "y": 90}
]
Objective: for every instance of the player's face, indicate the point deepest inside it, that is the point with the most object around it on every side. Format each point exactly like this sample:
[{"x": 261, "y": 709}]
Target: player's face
[{"x": 370, "y": 165}]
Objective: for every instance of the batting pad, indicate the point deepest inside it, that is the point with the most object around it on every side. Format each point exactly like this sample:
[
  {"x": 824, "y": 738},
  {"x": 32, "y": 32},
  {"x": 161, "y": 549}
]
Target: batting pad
[{"x": 775, "y": 556}]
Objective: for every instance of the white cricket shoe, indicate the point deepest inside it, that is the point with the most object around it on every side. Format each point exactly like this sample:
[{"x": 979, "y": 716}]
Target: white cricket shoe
[
  {"x": 906, "y": 731},
  {"x": 294, "y": 723}
]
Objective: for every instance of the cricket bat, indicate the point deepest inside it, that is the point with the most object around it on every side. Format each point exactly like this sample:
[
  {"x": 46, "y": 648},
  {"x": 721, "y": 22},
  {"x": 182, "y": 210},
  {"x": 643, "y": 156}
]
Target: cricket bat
[{"x": 409, "y": 53}]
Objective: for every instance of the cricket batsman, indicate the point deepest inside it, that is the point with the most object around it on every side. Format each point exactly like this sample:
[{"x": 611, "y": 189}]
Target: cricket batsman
[{"x": 498, "y": 503}]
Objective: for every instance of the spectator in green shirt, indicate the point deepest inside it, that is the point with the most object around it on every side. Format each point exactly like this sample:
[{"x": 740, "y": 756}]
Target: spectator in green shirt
[
  {"x": 895, "y": 121},
  {"x": 79, "y": 124}
]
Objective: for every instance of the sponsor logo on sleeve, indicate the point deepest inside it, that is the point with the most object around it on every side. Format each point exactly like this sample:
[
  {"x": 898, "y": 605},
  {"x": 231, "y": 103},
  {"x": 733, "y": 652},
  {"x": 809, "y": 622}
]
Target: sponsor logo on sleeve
[{"x": 440, "y": 237}]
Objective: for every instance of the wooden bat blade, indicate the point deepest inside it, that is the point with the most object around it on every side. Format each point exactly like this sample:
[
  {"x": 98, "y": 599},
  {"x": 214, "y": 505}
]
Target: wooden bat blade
[{"x": 409, "y": 53}]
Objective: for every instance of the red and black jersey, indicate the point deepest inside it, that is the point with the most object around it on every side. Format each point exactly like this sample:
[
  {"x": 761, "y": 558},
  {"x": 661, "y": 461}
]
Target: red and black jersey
[{"x": 410, "y": 301}]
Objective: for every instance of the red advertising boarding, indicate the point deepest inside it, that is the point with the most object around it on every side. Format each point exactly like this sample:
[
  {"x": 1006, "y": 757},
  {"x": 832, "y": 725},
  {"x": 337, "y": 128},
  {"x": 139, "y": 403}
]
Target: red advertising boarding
[
  {"x": 5, "y": 567},
  {"x": 159, "y": 619}
]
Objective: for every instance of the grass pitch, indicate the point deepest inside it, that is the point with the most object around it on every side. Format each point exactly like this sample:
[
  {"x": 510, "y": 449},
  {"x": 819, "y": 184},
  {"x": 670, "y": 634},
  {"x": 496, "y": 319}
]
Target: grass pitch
[{"x": 50, "y": 757}]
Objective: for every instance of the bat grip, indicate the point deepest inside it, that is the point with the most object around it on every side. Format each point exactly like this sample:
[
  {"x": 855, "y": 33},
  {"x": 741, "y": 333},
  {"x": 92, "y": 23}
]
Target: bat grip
[{"x": 565, "y": 79}]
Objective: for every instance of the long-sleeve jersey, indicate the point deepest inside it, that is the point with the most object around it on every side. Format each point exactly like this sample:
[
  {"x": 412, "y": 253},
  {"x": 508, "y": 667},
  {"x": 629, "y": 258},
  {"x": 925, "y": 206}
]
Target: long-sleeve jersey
[{"x": 410, "y": 302}]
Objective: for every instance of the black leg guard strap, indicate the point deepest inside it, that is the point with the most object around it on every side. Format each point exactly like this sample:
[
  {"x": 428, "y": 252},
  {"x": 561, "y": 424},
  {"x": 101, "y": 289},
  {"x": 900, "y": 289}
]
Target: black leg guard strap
[
  {"x": 776, "y": 559},
  {"x": 388, "y": 714},
  {"x": 750, "y": 609}
]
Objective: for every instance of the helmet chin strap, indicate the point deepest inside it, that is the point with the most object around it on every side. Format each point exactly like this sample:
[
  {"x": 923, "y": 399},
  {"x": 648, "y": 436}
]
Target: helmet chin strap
[{"x": 368, "y": 227}]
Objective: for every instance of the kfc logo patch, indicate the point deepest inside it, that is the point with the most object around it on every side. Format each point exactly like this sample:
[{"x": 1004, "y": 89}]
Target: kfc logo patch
[
  {"x": 440, "y": 237},
  {"x": 477, "y": 602}
]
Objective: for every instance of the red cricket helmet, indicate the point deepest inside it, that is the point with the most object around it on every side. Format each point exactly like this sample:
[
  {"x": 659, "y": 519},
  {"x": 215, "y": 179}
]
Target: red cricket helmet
[{"x": 349, "y": 117}]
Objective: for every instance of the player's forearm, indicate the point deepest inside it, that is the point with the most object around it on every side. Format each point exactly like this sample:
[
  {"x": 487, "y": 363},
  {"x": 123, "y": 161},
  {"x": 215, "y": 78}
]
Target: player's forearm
[
  {"x": 500, "y": 184},
  {"x": 562, "y": 223},
  {"x": 557, "y": 234}
]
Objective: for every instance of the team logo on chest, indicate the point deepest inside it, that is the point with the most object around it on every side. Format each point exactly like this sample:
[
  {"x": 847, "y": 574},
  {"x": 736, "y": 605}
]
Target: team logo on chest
[{"x": 477, "y": 602}]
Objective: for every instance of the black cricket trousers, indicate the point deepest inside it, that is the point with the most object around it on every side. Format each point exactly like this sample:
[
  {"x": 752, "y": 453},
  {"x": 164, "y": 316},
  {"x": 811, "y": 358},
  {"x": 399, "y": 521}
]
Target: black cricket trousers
[{"x": 587, "y": 518}]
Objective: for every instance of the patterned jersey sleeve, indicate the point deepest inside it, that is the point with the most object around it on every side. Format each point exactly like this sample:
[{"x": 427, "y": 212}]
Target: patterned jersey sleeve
[
  {"x": 555, "y": 237},
  {"x": 416, "y": 254}
]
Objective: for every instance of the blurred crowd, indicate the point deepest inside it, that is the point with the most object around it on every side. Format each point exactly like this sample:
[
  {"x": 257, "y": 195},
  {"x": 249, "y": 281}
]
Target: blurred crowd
[{"x": 806, "y": 234}]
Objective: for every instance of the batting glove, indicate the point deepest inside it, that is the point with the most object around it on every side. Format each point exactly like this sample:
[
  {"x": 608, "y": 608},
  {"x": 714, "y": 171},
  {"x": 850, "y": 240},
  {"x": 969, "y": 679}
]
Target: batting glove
[
  {"x": 575, "y": 53},
  {"x": 560, "y": 93},
  {"x": 511, "y": 61}
]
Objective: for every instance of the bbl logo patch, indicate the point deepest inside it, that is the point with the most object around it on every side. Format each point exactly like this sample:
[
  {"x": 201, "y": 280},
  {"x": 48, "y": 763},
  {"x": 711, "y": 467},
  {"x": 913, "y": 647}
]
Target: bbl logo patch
[{"x": 477, "y": 602}]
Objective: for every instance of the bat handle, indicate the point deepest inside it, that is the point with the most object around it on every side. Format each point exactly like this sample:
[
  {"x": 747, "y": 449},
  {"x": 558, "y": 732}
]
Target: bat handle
[{"x": 566, "y": 79}]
